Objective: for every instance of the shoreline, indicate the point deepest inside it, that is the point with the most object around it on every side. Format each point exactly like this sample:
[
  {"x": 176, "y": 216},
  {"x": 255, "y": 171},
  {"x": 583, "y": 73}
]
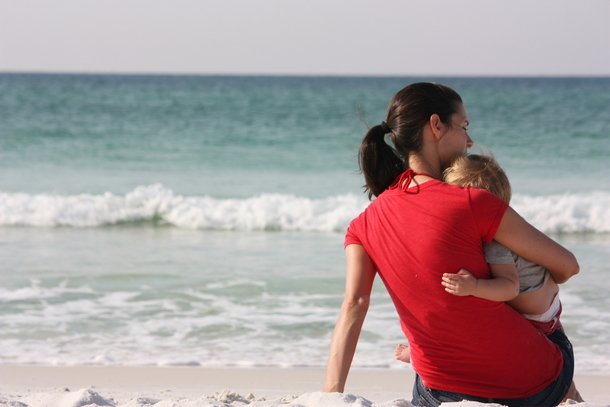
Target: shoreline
[{"x": 125, "y": 383}]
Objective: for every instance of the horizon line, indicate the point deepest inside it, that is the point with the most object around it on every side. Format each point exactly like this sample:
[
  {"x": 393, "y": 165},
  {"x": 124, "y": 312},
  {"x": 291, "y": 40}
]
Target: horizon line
[{"x": 301, "y": 75}]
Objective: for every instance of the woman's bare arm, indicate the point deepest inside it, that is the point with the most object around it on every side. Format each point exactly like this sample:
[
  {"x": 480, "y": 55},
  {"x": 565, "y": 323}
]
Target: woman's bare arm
[
  {"x": 358, "y": 286},
  {"x": 530, "y": 243}
]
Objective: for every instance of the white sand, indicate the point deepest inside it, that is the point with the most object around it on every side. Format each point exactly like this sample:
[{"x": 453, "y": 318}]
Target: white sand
[{"x": 190, "y": 386}]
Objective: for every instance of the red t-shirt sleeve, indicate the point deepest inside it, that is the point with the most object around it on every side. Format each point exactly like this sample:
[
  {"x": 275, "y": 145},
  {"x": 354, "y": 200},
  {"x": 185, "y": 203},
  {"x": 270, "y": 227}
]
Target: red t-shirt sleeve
[
  {"x": 487, "y": 210},
  {"x": 351, "y": 236}
]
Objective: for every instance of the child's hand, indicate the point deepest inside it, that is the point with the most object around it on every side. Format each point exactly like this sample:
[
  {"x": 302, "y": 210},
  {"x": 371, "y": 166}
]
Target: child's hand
[{"x": 462, "y": 283}]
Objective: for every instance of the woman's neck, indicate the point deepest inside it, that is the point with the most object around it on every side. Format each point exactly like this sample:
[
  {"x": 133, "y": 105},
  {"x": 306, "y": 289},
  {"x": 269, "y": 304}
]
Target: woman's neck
[{"x": 420, "y": 165}]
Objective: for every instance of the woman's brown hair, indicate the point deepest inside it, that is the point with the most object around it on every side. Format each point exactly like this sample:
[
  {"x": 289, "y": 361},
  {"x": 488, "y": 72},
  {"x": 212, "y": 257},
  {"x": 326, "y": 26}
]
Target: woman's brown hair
[{"x": 408, "y": 112}]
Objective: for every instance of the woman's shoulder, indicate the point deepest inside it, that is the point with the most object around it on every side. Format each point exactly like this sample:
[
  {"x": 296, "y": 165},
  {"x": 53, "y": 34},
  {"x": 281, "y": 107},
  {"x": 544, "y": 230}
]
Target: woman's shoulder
[
  {"x": 481, "y": 197},
  {"x": 457, "y": 192}
]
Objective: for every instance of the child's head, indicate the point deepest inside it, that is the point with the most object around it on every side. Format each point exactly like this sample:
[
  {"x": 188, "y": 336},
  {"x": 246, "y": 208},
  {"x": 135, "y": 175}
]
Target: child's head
[{"x": 479, "y": 171}]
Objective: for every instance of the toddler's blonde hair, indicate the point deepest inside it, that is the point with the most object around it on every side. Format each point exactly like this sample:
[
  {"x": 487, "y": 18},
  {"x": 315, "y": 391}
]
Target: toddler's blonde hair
[{"x": 479, "y": 171}]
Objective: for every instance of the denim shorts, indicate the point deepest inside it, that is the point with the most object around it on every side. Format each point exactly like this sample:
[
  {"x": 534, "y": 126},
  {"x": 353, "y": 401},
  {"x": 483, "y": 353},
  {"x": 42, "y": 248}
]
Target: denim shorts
[{"x": 551, "y": 396}]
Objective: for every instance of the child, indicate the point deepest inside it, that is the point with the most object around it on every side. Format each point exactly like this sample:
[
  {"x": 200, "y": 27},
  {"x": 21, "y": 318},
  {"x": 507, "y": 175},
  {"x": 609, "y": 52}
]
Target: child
[{"x": 526, "y": 286}]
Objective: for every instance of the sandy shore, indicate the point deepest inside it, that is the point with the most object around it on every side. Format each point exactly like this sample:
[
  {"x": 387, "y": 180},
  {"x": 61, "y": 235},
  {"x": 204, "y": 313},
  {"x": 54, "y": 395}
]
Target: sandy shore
[{"x": 140, "y": 386}]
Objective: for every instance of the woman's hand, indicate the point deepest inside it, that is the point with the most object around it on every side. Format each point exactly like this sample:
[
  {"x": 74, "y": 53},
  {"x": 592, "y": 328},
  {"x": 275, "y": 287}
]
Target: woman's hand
[{"x": 461, "y": 283}]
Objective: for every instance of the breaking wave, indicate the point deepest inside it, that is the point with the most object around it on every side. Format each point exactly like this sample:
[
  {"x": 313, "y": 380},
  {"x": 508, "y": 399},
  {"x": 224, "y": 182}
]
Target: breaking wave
[{"x": 567, "y": 213}]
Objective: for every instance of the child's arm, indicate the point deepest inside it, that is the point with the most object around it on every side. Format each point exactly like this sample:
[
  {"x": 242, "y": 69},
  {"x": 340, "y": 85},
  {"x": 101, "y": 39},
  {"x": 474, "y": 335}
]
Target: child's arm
[{"x": 504, "y": 286}]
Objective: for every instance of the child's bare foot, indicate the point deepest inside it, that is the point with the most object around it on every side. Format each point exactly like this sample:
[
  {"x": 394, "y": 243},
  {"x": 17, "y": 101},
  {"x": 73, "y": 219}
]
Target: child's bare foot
[
  {"x": 402, "y": 353},
  {"x": 573, "y": 396}
]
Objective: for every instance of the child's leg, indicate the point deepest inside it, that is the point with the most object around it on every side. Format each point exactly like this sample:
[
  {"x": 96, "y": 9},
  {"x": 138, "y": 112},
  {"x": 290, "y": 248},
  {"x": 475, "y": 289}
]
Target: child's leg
[{"x": 402, "y": 353}]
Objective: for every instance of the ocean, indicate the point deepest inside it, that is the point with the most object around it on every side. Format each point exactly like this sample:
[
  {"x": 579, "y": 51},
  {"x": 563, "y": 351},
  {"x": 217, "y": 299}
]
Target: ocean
[{"x": 199, "y": 220}]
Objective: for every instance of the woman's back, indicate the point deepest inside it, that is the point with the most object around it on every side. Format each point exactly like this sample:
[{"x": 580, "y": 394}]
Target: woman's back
[{"x": 459, "y": 344}]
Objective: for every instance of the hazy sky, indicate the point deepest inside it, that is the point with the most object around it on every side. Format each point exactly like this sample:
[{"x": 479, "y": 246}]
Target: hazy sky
[{"x": 374, "y": 37}]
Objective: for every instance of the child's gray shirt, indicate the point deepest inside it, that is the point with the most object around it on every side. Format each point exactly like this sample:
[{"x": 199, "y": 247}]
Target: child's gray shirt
[{"x": 531, "y": 276}]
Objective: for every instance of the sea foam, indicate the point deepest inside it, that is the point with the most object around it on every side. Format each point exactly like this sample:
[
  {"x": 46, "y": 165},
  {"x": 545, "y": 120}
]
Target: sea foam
[
  {"x": 567, "y": 213},
  {"x": 155, "y": 203}
]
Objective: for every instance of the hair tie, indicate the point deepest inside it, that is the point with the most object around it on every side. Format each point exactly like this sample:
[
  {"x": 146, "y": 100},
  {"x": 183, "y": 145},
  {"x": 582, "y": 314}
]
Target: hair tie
[{"x": 386, "y": 129}]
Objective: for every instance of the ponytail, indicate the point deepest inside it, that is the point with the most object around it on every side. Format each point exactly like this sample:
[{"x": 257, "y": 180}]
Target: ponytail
[
  {"x": 380, "y": 164},
  {"x": 409, "y": 111}
]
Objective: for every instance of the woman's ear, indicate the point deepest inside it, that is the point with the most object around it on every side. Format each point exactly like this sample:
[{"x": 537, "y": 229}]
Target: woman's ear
[{"x": 436, "y": 125}]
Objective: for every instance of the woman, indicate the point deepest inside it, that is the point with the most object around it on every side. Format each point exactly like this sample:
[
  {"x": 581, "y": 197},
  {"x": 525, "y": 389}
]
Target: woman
[{"x": 462, "y": 348}]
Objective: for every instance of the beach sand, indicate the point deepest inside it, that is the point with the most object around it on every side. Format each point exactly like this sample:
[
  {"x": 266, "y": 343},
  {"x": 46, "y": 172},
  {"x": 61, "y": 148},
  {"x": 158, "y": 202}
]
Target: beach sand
[{"x": 193, "y": 386}]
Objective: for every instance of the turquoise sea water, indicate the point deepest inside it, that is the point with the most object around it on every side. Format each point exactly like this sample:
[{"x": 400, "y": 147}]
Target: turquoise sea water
[{"x": 153, "y": 220}]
